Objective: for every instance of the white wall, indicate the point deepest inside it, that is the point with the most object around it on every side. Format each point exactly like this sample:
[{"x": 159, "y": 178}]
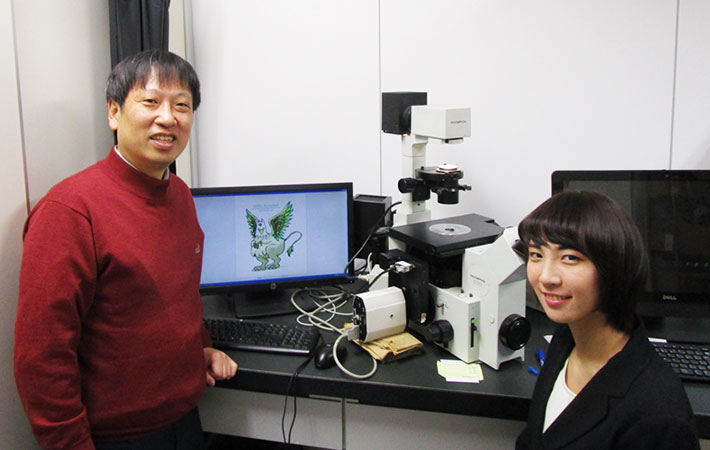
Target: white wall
[
  {"x": 64, "y": 60},
  {"x": 14, "y": 428},
  {"x": 551, "y": 85},
  {"x": 292, "y": 90},
  {"x": 691, "y": 135},
  {"x": 178, "y": 45},
  {"x": 53, "y": 113}
]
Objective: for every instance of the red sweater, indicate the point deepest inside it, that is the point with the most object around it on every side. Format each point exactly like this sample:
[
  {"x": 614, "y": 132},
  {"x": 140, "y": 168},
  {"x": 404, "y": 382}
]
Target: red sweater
[{"x": 109, "y": 335}]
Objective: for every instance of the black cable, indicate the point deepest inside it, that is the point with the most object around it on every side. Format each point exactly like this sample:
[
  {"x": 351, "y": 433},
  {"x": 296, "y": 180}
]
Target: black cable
[
  {"x": 294, "y": 375},
  {"x": 369, "y": 235},
  {"x": 369, "y": 285},
  {"x": 293, "y": 420}
]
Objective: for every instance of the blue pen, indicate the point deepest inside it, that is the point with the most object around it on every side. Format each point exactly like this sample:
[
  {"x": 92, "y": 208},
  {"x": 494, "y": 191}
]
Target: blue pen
[
  {"x": 533, "y": 370},
  {"x": 540, "y": 357}
]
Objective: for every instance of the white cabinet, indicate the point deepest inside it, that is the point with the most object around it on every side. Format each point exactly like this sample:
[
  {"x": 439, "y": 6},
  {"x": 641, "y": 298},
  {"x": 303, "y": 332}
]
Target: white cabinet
[
  {"x": 322, "y": 422},
  {"x": 368, "y": 427},
  {"x": 257, "y": 415}
]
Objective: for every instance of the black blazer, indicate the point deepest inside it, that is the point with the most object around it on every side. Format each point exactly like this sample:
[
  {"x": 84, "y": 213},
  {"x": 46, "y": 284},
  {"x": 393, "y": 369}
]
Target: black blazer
[{"x": 635, "y": 401}]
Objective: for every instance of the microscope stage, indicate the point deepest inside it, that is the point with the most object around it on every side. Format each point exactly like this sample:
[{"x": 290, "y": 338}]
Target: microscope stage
[{"x": 449, "y": 236}]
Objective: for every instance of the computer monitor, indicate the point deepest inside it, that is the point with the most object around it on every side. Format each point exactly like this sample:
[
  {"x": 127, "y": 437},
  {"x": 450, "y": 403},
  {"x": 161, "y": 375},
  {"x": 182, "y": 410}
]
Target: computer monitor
[
  {"x": 261, "y": 241},
  {"x": 672, "y": 211}
]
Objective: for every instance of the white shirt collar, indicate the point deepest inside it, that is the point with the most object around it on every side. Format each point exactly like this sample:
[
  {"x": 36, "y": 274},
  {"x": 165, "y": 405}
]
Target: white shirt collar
[{"x": 166, "y": 175}]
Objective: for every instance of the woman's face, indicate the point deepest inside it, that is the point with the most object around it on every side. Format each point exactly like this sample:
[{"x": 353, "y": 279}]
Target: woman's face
[{"x": 565, "y": 281}]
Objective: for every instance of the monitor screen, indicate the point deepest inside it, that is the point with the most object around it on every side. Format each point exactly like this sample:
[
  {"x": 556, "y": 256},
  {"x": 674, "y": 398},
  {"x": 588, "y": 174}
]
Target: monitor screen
[
  {"x": 672, "y": 212},
  {"x": 261, "y": 239}
]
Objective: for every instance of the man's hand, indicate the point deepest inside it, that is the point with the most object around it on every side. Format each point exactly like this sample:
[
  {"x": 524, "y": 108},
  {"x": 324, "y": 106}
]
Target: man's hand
[{"x": 219, "y": 365}]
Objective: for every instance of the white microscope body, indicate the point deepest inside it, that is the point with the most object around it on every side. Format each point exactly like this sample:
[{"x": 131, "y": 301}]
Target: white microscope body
[
  {"x": 487, "y": 312},
  {"x": 428, "y": 123}
]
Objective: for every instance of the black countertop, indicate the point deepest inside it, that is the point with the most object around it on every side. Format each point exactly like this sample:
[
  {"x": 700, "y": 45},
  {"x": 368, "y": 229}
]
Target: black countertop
[{"x": 414, "y": 383}]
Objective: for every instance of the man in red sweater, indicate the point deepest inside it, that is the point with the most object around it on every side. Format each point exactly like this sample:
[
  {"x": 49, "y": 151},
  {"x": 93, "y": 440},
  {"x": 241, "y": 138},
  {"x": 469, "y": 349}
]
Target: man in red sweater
[{"x": 110, "y": 350}]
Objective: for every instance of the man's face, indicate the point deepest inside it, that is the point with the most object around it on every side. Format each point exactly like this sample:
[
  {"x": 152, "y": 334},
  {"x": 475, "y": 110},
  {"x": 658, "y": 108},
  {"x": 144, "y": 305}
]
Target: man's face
[{"x": 153, "y": 125}]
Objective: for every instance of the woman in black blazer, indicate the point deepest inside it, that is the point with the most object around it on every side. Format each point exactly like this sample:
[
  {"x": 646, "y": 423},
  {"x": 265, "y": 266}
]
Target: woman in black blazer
[{"x": 602, "y": 385}]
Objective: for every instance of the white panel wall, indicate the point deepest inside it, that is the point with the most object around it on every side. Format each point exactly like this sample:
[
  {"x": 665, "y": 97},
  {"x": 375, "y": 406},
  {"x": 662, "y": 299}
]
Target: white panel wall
[
  {"x": 177, "y": 45},
  {"x": 552, "y": 85},
  {"x": 691, "y": 143},
  {"x": 53, "y": 110},
  {"x": 64, "y": 60},
  {"x": 14, "y": 428},
  {"x": 290, "y": 92}
]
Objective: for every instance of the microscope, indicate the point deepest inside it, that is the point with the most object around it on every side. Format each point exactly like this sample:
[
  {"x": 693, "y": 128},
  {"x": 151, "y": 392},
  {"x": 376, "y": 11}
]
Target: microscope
[
  {"x": 407, "y": 114},
  {"x": 457, "y": 281}
]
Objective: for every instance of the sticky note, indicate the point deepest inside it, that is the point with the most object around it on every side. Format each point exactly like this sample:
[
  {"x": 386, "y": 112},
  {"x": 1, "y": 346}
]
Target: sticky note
[{"x": 456, "y": 371}]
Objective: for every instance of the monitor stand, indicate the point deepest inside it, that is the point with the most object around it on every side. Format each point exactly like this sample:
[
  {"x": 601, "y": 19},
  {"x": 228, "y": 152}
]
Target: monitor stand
[{"x": 247, "y": 305}]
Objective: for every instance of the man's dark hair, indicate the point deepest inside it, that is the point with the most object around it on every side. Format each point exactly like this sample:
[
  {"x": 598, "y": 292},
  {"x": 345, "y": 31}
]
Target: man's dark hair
[
  {"x": 596, "y": 226},
  {"x": 137, "y": 69}
]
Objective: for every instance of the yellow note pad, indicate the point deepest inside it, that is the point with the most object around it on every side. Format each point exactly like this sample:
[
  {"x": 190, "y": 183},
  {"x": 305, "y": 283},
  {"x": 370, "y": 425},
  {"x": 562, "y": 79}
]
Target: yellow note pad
[{"x": 458, "y": 371}]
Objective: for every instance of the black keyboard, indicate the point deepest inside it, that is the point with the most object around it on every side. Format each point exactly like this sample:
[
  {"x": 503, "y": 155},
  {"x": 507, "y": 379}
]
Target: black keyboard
[
  {"x": 690, "y": 361},
  {"x": 262, "y": 336}
]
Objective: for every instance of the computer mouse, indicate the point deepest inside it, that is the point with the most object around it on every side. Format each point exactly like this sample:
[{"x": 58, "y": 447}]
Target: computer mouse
[{"x": 324, "y": 358}]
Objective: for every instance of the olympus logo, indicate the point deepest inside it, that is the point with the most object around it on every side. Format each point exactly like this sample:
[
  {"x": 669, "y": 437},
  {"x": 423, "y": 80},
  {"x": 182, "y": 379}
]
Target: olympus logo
[
  {"x": 669, "y": 297},
  {"x": 458, "y": 121}
]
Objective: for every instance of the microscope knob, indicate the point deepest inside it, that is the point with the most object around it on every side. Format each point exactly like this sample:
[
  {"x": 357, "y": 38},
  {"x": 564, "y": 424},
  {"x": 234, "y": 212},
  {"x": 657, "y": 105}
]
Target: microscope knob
[
  {"x": 408, "y": 185},
  {"x": 515, "y": 331},
  {"x": 441, "y": 332}
]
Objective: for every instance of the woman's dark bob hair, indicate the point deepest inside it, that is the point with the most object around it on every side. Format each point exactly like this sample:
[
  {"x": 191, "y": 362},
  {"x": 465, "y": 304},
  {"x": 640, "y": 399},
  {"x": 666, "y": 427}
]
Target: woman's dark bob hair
[
  {"x": 596, "y": 226},
  {"x": 137, "y": 69}
]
